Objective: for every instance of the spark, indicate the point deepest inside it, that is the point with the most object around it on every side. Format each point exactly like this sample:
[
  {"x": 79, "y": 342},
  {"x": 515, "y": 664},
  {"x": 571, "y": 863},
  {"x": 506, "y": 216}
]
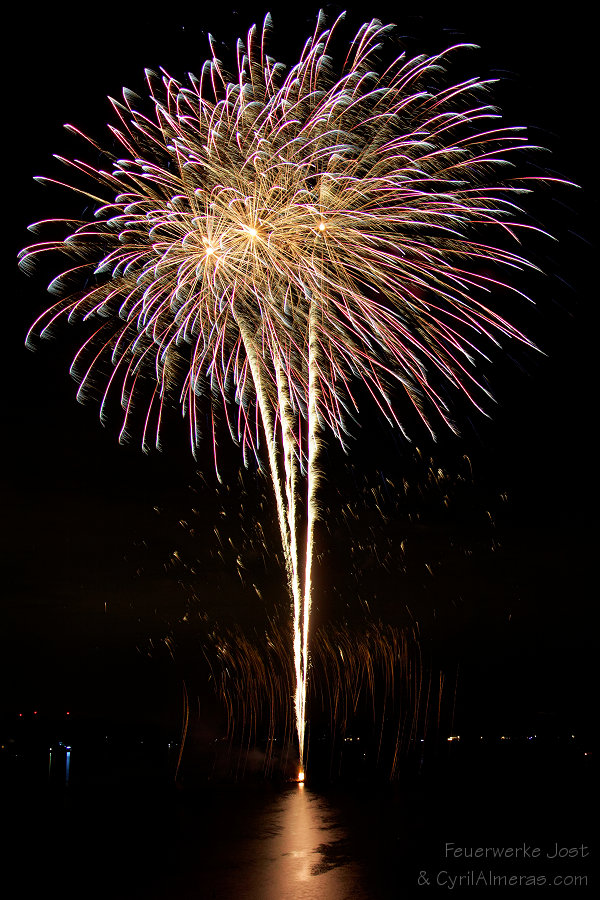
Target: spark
[
  {"x": 269, "y": 239},
  {"x": 251, "y": 675}
]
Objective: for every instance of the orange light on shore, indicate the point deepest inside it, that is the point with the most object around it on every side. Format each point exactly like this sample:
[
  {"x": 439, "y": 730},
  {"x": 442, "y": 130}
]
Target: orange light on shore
[{"x": 300, "y": 777}]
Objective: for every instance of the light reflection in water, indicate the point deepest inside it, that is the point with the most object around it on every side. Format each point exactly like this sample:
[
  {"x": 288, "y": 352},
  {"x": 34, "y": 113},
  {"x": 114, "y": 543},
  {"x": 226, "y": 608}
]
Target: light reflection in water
[{"x": 300, "y": 851}]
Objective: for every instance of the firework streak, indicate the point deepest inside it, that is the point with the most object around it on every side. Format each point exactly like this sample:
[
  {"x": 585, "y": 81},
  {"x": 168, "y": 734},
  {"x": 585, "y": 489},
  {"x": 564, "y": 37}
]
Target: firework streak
[{"x": 270, "y": 239}]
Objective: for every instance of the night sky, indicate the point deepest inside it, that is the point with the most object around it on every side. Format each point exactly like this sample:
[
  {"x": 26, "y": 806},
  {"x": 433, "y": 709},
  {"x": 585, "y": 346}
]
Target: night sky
[{"x": 90, "y": 526}]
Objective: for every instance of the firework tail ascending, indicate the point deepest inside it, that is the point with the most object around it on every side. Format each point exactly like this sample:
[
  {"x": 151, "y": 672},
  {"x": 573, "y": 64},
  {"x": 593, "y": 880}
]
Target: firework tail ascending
[
  {"x": 266, "y": 240},
  {"x": 253, "y": 678}
]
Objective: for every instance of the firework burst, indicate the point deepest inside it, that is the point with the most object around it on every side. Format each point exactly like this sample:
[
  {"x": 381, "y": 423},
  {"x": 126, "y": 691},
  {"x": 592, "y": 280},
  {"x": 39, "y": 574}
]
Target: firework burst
[{"x": 269, "y": 239}]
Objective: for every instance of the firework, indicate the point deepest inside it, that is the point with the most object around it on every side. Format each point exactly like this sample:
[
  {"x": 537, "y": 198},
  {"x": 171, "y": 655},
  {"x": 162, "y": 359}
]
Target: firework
[
  {"x": 269, "y": 239},
  {"x": 353, "y": 668}
]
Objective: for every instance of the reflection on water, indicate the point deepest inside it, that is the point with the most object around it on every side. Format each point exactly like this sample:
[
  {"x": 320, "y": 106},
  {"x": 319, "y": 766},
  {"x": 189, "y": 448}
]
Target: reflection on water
[
  {"x": 257, "y": 841},
  {"x": 59, "y": 763},
  {"x": 294, "y": 848}
]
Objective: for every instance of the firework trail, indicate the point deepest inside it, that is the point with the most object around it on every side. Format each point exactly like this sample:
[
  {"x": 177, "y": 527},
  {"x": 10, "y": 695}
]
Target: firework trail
[
  {"x": 269, "y": 239},
  {"x": 252, "y": 677}
]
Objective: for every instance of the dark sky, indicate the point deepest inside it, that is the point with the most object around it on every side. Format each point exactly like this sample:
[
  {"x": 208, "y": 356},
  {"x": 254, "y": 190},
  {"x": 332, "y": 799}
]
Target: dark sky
[{"x": 89, "y": 572}]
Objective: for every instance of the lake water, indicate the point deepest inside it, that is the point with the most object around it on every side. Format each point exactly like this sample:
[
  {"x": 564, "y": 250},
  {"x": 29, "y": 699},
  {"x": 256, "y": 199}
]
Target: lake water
[
  {"x": 263, "y": 841},
  {"x": 249, "y": 842},
  {"x": 295, "y": 844}
]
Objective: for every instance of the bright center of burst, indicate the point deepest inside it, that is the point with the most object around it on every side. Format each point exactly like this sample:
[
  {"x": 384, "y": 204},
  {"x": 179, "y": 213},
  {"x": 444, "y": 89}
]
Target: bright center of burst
[
  {"x": 321, "y": 226},
  {"x": 252, "y": 232}
]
